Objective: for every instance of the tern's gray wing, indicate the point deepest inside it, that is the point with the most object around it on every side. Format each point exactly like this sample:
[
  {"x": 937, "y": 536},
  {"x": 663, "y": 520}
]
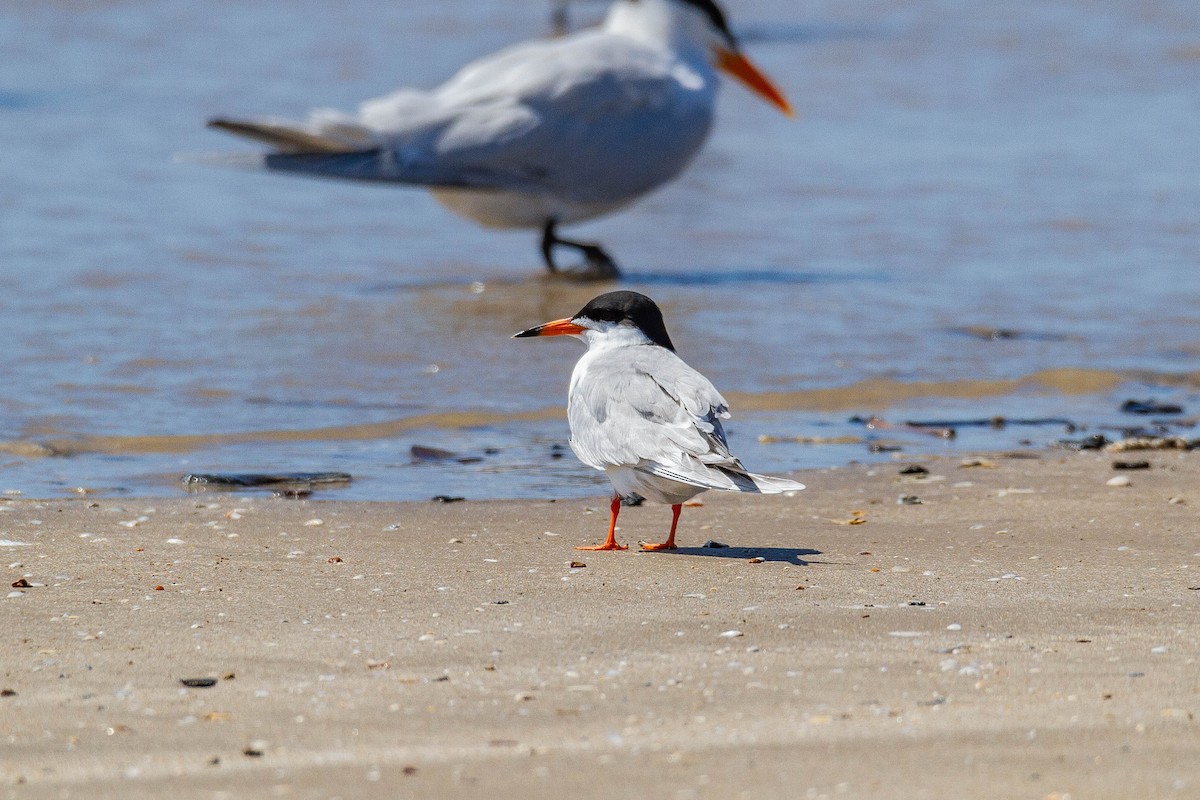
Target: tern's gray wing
[{"x": 643, "y": 406}]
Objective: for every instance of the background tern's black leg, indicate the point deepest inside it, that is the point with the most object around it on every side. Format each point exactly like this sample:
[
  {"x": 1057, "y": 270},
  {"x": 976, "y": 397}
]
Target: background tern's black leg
[
  {"x": 597, "y": 264},
  {"x": 548, "y": 241}
]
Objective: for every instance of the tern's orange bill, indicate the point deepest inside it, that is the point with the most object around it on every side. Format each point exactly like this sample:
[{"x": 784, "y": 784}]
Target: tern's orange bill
[
  {"x": 559, "y": 327},
  {"x": 740, "y": 67}
]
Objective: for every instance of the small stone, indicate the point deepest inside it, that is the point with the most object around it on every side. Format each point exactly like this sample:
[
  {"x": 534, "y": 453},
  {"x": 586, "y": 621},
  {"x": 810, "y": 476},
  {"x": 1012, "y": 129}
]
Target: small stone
[
  {"x": 1118, "y": 480},
  {"x": 732, "y": 634},
  {"x": 757, "y": 560}
]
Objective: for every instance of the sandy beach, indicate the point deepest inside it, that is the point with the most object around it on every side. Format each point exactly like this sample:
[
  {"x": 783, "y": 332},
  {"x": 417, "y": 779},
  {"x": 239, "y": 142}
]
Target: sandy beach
[{"x": 1025, "y": 630}]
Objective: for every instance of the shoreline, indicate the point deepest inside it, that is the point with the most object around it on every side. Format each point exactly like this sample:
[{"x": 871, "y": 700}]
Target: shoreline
[{"x": 1024, "y": 630}]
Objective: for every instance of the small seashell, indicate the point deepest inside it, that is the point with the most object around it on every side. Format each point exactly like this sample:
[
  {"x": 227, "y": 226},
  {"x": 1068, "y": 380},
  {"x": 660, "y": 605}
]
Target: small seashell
[{"x": 1118, "y": 480}]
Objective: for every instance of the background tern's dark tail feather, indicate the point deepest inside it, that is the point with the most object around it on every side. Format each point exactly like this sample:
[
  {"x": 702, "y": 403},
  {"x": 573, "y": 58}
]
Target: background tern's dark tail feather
[{"x": 295, "y": 137}]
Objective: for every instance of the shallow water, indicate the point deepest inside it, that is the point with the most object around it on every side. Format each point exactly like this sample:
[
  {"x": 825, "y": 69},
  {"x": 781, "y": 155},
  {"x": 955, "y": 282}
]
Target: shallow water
[{"x": 954, "y": 170}]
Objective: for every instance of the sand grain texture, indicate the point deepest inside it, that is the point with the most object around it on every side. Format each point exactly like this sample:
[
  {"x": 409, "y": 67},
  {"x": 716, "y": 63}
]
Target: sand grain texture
[{"x": 1024, "y": 631}]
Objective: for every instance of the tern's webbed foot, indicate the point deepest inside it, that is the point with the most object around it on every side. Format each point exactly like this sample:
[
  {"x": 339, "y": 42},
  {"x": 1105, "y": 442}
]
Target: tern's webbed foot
[
  {"x": 662, "y": 546},
  {"x": 605, "y": 546}
]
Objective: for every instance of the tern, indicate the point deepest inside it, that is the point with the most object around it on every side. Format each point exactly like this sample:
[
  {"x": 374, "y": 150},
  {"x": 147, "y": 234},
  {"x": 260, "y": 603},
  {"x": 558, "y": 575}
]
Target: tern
[
  {"x": 543, "y": 133},
  {"x": 644, "y": 417}
]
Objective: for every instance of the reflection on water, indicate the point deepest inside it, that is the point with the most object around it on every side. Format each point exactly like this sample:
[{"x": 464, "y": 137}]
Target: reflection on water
[
  {"x": 974, "y": 215},
  {"x": 734, "y": 277}
]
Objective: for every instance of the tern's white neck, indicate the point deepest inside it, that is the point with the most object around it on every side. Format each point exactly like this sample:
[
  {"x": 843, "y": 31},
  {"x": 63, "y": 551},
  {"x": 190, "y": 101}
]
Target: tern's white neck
[
  {"x": 662, "y": 23},
  {"x": 609, "y": 335}
]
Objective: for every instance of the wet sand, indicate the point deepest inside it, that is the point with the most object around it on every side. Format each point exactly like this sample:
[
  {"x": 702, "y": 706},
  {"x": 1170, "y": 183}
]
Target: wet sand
[{"x": 1025, "y": 631}]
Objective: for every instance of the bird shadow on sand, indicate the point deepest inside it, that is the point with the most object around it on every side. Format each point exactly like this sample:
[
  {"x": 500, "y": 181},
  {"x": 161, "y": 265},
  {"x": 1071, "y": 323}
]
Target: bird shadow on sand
[{"x": 786, "y": 555}]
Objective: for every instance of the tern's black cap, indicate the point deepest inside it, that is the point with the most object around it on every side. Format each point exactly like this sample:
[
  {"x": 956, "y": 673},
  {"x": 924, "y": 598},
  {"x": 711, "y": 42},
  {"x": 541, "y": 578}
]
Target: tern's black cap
[{"x": 636, "y": 309}]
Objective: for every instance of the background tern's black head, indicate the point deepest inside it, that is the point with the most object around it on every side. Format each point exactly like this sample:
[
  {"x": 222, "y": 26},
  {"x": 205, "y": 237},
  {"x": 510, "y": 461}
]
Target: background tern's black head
[
  {"x": 715, "y": 15},
  {"x": 632, "y": 308}
]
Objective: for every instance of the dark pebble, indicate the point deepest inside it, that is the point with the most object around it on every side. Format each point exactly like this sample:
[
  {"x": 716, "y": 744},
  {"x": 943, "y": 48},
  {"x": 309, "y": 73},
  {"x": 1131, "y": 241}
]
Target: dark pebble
[
  {"x": 445, "y": 498},
  {"x": 1150, "y": 407},
  {"x": 914, "y": 469},
  {"x": 199, "y": 683},
  {"x": 420, "y": 453},
  {"x": 301, "y": 480},
  {"x": 713, "y": 544},
  {"x": 1131, "y": 465},
  {"x": 1096, "y": 441}
]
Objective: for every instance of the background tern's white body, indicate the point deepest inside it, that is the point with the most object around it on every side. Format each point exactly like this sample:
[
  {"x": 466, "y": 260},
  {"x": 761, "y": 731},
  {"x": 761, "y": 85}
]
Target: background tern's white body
[
  {"x": 563, "y": 129},
  {"x": 543, "y": 133}
]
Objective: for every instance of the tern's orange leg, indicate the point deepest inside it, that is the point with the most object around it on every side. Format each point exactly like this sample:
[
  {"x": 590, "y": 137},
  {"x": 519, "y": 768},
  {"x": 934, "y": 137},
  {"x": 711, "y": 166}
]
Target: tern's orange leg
[
  {"x": 669, "y": 544},
  {"x": 611, "y": 542}
]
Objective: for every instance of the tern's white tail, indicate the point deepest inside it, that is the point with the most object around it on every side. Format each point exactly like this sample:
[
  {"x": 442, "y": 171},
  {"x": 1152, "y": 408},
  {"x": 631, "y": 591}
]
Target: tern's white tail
[
  {"x": 722, "y": 477},
  {"x": 754, "y": 483}
]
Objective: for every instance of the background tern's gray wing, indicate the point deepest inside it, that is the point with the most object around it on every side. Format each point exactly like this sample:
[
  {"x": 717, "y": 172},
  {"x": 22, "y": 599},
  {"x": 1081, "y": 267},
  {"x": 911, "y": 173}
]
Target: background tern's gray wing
[
  {"x": 569, "y": 111},
  {"x": 557, "y": 116}
]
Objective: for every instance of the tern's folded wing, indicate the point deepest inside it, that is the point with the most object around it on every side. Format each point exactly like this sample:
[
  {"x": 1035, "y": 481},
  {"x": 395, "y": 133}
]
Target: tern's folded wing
[{"x": 647, "y": 405}]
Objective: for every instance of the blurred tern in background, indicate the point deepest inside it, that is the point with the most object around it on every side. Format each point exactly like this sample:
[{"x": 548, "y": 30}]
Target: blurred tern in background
[
  {"x": 541, "y": 134},
  {"x": 643, "y": 416}
]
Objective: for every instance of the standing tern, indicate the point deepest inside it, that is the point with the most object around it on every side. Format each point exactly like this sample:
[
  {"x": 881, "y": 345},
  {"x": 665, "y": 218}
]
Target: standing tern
[
  {"x": 543, "y": 133},
  {"x": 643, "y": 416}
]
